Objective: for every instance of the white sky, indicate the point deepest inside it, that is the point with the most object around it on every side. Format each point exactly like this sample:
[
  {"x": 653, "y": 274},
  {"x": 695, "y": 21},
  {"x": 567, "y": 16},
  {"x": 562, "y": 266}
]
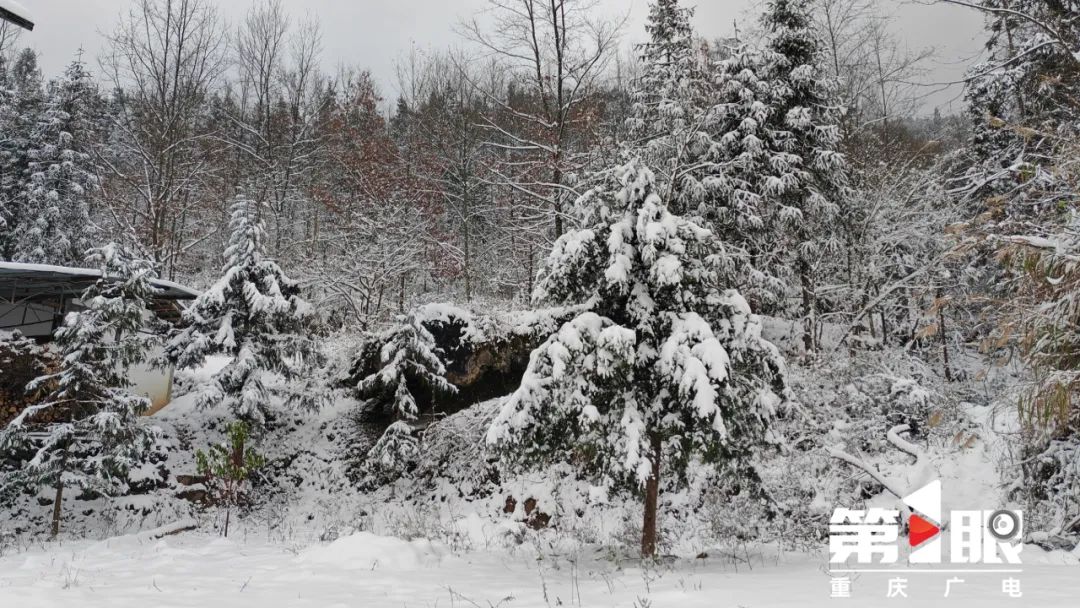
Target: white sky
[{"x": 375, "y": 34}]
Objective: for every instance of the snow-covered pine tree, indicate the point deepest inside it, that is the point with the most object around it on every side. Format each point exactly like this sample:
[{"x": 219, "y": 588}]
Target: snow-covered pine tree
[
  {"x": 253, "y": 314},
  {"x": 671, "y": 108},
  {"x": 408, "y": 361},
  {"x": 395, "y": 453},
  {"x": 664, "y": 368},
  {"x": 56, "y": 228},
  {"x": 1024, "y": 94},
  {"x": 89, "y": 417},
  {"x": 675, "y": 118},
  {"x": 18, "y": 117},
  {"x": 778, "y": 143},
  {"x": 7, "y": 125},
  {"x": 408, "y": 356}
]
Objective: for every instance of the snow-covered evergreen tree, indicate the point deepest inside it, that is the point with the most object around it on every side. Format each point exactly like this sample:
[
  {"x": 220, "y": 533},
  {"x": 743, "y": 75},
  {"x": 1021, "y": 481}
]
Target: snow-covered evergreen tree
[
  {"x": 408, "y": 356},
  {"x": 253, "y": 314},
  {"x": 1024, "y": 94},
  {"x": 395, "y": 453},
  {"x": 779, "y": 141},
  {"x": 408, "y": 361},
  {"x": 673, "y": 130},
  {"x": 89, "y": 416},
  {"x": 18, "y": 117},
  {"x": 7, "y": 125},
  {"x": 664, "y": 368},
  {"x": 56, "y": 228}
]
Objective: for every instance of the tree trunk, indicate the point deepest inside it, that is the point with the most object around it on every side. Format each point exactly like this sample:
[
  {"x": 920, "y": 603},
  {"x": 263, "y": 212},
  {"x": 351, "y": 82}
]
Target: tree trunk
[
  {"x": 944, "y": 336},
  {"x": 228, "y": 511},
  {"x": 57, "y": 506},
  {"x": 652, "y": 492},
  {"x": 557, "y": 200},
  {"x": 884, "y": 328},
  {"x": 531, "y": 274},
  {"x": 809, "y": 306}
]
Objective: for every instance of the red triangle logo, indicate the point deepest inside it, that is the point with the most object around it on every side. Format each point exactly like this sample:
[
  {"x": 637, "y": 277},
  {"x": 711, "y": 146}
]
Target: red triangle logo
[{"x": 920, "y": 530}]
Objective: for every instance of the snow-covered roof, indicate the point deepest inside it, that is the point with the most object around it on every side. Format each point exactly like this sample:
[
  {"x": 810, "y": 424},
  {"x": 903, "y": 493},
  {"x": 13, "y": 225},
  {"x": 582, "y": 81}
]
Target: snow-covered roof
[
  {"x": 14, "y": 12},
  {"x": 20, "y": 281}
]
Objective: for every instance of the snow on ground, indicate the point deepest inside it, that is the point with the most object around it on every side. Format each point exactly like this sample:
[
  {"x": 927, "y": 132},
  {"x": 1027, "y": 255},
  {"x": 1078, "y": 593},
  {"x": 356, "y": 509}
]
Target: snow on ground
[{"x": 201, "y": 570}]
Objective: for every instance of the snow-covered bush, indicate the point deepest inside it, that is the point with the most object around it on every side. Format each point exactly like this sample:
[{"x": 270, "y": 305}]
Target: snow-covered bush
[
  {"x": 1043, "y": 313},
  {"x": 21, "y": 360},
  {"x": 455, "y": 453},
  {"x": 848, "y": 403},
  {"x": 1053, "y": 487},
  {"x": 395, "y": 454}
]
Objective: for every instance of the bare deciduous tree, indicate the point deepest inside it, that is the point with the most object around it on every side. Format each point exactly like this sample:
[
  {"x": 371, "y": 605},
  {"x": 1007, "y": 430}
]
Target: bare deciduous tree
[
  {"x": 557, "y": 52},
  {"x": 875, "y": 71},
  {"x": 162, "y": 59},
  {"x": 278, "y": 116},
  {"x": 9, "y": 39}
]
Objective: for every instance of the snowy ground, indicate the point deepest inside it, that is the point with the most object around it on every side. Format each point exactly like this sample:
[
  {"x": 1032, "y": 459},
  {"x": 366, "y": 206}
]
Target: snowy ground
[{"x": 201, "y": 570}]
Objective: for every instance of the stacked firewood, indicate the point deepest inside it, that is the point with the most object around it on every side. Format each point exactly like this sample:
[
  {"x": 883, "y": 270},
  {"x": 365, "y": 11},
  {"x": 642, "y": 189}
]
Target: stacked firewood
[{"x": 21, "y": 360}]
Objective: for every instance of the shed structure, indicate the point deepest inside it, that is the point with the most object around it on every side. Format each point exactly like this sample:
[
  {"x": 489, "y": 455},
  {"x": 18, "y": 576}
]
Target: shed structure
[{"x": 34, "y": 299}]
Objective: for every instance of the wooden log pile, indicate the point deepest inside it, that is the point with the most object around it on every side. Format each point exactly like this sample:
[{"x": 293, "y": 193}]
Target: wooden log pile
[{"x": 21, "y": 360}]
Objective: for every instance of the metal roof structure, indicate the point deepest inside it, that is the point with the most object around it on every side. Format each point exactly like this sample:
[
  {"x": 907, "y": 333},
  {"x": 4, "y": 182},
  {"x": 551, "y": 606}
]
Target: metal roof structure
[
  {"x": 25, "y": 282},
  {"x": 15, "y": 13}
]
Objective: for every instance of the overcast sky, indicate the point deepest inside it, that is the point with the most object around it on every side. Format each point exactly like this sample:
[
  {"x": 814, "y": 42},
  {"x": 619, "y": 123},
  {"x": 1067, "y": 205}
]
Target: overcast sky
[{"x": 375, "y": 34}]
